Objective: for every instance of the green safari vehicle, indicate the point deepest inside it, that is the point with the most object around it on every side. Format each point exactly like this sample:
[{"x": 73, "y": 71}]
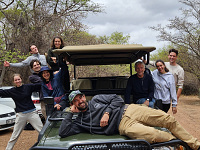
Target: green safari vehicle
[{"x": 88, "y": 55}]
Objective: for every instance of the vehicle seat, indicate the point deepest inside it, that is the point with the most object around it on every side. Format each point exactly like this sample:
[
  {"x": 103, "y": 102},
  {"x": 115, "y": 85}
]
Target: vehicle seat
[
  {"x": 104, "y": 83},
  {"x": 121, "y": 82},
  {"x": 82, "y": 84}
]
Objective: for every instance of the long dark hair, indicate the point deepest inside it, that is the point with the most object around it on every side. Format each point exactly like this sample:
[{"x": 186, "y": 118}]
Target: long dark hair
[
  {"x": 51, "y": 76},
  {"x": 50, "y": 72},
  {"x": 166, "y": 69},
  {"x": 52, "y": 43}
]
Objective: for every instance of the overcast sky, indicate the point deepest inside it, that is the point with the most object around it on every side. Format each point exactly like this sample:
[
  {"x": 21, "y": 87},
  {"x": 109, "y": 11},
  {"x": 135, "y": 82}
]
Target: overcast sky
[{"x": 133, "y": 17}]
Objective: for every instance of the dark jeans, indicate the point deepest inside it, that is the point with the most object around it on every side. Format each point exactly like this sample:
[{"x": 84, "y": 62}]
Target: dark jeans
[
  {"x": 166, "y": 107},
  {"x": 160, "y": 105},
  {"x": 142, "y": 100}
]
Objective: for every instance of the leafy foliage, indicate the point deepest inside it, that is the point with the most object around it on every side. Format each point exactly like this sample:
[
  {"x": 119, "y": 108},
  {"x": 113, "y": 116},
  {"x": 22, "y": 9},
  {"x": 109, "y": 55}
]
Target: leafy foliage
[
  {"x": 162, "y": 53},
  {"x": 107, "y": 70},
  {"x": 42, "y": 20},
  {"x": 103, "y": 71},
  {"x": 12, "y": 56},
  {"x": 24, "y": 23},
  {"x": 76, "y": 37},
  {"x": 115, "y": 38}
]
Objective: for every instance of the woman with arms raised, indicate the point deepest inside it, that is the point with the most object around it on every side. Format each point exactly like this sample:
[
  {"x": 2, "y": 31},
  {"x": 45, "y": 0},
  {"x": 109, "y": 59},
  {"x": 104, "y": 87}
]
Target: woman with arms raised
[
  {"x": 25, "y": 109},
  {"x": 52, "y": 58},
  {"x": 53, "y": 85}
]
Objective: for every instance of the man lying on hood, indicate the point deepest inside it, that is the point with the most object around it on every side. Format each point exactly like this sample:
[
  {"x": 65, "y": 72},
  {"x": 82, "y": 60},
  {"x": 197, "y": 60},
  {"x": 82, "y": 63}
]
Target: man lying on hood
[{"x": 107, "y": 114}]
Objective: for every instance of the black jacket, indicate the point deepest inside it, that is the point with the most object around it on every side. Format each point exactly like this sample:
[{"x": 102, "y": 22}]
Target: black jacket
[
  {"x": 54, "y": 66},
  {"x": 35, "y": 78},
  {"x": 89, "y": 121},
  {"x": 139, "y": 87},
  {"x": 21, "y": 96}
]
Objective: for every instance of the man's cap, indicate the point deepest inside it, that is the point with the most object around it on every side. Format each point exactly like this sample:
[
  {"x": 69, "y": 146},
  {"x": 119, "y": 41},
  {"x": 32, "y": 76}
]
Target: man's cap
[{"x": 73, "y": 94}]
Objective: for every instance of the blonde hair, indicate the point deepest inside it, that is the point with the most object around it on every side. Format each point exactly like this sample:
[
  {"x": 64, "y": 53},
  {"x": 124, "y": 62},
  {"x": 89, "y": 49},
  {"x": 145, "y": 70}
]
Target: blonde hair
[{"x": 16, "y": 74}]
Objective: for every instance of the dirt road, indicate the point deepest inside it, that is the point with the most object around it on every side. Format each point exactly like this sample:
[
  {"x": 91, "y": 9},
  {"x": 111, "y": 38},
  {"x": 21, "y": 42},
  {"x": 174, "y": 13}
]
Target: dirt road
[{"x": 188, "y": 115}]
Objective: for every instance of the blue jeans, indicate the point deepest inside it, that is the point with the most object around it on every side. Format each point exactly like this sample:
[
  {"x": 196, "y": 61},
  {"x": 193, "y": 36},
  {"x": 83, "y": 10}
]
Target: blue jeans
[{"x": 142, "y": 100}]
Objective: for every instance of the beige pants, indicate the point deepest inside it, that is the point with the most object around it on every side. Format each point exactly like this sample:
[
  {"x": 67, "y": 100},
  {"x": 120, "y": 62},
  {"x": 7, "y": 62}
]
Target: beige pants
[
  {"x": 138, "y": 122},
  {"x": 20, "y": 122}
]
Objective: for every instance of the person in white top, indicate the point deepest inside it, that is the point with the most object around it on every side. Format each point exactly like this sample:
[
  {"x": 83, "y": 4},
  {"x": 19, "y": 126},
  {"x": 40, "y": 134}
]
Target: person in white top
[{"x": 175, "y": 69}]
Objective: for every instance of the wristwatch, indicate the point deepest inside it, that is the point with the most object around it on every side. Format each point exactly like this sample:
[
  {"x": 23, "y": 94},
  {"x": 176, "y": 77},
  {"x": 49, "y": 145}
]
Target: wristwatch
[
  {"x": 147, "y": 99},
  {"x": 107, "y": 113}
]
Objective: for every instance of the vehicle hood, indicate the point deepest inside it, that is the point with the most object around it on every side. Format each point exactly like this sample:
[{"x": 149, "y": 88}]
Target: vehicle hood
[
  {"x": 52, "y": 139},
  {"x": 5, "y": 109}
]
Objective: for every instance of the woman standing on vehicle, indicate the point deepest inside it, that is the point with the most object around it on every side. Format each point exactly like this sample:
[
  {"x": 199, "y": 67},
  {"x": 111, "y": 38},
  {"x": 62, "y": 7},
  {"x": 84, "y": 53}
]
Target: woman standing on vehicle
[
  {"x": 54, "y": 85},
  {"x": 25, "y": 109},
  {"x": 165, "y": 88},
  {"x": 53, "y": 59}
]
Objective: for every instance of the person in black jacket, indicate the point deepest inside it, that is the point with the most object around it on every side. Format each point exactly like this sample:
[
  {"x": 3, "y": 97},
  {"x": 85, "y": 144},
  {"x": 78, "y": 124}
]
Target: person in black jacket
[
  {"x": 35, "y": 78},
  {"x": 52, "y": 58},
  {"x": 35, "y": 66},
  {"x": 53, "y": 85},
  {"x": 107, "y": 114},
  {"x": 25, "y": 109},
  {"x": 141, "y": 86}
]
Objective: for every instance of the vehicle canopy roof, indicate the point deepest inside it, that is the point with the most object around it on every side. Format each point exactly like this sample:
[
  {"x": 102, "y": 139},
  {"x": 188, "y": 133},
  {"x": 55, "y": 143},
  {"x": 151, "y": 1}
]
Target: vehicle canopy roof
[{"x": 104, "y": 54}]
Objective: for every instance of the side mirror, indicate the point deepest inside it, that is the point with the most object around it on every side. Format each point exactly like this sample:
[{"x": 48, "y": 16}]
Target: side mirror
[
  {"x": 49, "y": 105},
  {"x": 48, "y": 100}
]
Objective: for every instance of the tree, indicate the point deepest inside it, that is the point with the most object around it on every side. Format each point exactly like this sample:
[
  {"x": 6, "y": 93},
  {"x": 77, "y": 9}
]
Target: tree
[
  {"x": 36, "y": 22},
  {"x": 76, "y": 37},
  {"x": 162, "y": 53},
  {"x": 115, "y": 38},
  {"x": 5, "y": 5},
  {"x": 184, "y": 33},
  {"x": 107, "y": 70}
]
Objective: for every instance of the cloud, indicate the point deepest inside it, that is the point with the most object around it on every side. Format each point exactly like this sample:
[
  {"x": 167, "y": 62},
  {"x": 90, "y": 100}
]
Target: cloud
[{"x": 133, "y": 17}]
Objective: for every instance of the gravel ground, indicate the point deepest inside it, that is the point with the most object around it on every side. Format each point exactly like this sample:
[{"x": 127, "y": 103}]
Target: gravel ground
[
  {"x": 25, "y": 141},
  {"x": 188, "y": 116}
]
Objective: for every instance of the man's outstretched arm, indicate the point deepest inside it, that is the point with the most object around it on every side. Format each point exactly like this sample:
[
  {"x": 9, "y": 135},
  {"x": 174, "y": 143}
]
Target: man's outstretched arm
[{"x": 25, "y": 62}]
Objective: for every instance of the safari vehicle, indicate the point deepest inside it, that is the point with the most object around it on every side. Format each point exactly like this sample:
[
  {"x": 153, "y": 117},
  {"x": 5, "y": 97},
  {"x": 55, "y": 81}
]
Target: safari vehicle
[{"x": 97, "y": 55}]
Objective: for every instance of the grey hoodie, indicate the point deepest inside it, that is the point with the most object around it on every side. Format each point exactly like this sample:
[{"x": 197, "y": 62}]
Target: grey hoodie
[
  {"x": 165, "y": 88},
  {"x": 89, "y": 121},
  {"x": 27, "y": 61}
]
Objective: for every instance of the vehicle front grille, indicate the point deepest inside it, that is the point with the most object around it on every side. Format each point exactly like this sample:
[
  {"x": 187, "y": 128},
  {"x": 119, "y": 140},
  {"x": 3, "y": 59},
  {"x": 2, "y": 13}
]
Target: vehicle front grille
[
  {"x": 7, "y": 115},
  {"x": 134, "y": 145},
  {"x": 114, "y": 147}
]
